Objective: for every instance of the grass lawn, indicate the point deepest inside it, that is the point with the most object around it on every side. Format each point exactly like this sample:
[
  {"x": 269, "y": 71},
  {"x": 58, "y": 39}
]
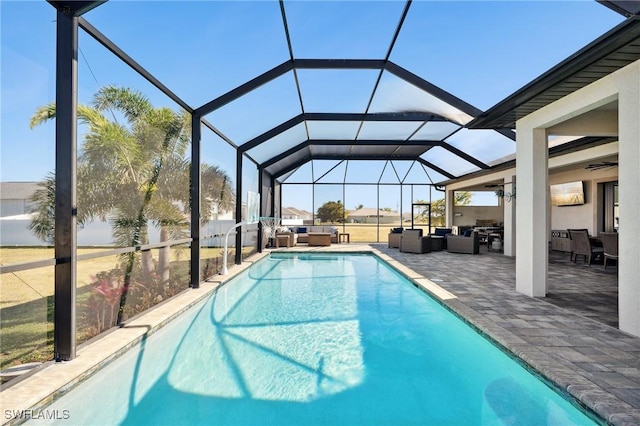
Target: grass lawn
[
  {"x": 365, "y": 233},
  {"x": 368, "y": 233},
  {"x": 24, "y": 286},
  {"x": 26, "y": 299},
  {"x": 27, "y": 332}
]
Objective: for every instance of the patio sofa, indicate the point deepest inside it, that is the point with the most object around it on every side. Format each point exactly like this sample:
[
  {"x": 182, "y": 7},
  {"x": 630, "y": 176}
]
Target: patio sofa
[
  {"x": 303, "y": 231},
  {"x": 462, "y": 244}
]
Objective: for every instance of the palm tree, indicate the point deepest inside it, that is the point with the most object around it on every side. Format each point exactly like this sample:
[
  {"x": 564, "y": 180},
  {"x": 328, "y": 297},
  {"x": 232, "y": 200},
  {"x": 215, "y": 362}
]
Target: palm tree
[{"x": 132, "y": 174}]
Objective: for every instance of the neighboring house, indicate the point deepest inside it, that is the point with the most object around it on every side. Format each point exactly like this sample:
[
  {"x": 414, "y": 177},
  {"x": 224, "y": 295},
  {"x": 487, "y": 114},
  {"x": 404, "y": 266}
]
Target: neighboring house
[
  {"x": 370, "y": 215},
  {"x": 15, "y": 220},
  {"x": 14, "y": 217},
  {"x": 15, "y": 196},
  {"x": 293, "y": 216}
]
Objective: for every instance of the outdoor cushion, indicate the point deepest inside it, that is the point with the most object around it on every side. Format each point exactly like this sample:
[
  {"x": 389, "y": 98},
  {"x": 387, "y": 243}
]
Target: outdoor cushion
[
  {"x": 441, "y": 232},
  {"x": 302, "y": 230}
]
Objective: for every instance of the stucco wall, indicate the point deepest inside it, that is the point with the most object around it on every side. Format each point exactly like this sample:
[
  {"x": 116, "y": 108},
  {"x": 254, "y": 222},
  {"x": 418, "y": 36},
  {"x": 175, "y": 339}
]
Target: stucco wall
[
  {"x": 469, "y": 214},
  {"x": 586, "y": 215}
]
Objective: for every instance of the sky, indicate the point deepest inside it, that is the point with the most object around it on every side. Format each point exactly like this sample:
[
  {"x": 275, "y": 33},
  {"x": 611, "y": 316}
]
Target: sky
[{"x": 479, "y": 51}]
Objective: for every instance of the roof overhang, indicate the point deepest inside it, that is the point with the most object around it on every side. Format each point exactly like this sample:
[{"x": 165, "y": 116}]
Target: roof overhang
[
  {"x": 75, "y": 8},
  {"x": 609, "y": 53},
  {"x": 624, "y": 7},
  {"x": 555, "y": 151}
]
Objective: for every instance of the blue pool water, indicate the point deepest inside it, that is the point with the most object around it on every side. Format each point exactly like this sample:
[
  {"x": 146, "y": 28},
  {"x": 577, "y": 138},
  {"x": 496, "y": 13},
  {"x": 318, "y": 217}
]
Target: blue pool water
[{"x": 321, "y": 340}]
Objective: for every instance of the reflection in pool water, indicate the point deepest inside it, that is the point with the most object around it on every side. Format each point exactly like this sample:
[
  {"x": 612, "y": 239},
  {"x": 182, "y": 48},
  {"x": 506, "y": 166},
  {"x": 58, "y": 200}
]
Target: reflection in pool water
[{"x": 296, "y": 339}]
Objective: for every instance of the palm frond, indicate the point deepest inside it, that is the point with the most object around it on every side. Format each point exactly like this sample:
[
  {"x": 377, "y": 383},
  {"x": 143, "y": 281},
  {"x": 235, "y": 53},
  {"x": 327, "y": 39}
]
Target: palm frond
[
  {"x": 43, "y": 209},
  {"x": 133, "y": 104},
  {"x": 42, "y": 115}
]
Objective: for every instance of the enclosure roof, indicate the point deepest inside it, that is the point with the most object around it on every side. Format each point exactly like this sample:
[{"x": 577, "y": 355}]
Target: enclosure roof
[{"x": 327, "y": 81}]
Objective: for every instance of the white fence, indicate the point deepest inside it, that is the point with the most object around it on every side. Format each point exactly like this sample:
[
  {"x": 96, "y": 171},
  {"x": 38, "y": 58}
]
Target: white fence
[{"x": 14, "y": 231}]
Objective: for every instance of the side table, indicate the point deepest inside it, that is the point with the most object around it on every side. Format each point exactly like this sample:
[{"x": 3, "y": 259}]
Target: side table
[{"x": 436, "y": 242}]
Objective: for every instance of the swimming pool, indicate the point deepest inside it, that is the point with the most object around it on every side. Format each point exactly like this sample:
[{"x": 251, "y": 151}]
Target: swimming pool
[{"x": 316, "y": 339}]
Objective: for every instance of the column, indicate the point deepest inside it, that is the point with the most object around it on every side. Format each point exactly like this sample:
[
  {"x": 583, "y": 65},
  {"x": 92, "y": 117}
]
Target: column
[
  {"x": 195, "y": 200},
  {"x": 531, "y": 210},
  {"x": 64, "y": 339},
  {"x": 448, "y": 200},
  {"x": 239, "y": 158},
  {"x": 628, "y": 180},
  {"x": 510, "y": 219}
]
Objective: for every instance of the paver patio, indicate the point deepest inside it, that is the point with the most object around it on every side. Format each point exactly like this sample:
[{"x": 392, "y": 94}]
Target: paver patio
[{"x": 569, "y": 336}]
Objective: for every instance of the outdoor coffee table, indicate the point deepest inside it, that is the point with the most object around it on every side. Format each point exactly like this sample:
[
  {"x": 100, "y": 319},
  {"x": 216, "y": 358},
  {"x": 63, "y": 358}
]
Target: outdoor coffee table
[{"x": 319, "y": 239}]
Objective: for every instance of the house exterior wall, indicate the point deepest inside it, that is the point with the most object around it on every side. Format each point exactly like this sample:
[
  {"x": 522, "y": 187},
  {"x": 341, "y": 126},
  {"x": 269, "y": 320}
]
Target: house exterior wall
[
  {"x": 467, "y": 215},
  {"x": 628, "y": 84},
  {"x": 508, "y": 215},
  {"x": 563, "y": 168},
  {"x": 586, "y": 215},
  {"x": 13, "y": 207},
  {"x": 621, "y": 87},
  {"x": 373, "y": 219}
]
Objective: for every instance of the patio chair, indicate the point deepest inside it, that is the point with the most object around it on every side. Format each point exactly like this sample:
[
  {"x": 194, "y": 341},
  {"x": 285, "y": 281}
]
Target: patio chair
[
  {"x": 412, "y": 241},
  {"x": 583, "y": 246},
  {"x": 571, "y": 254},
  {"x": 462, "y": 244},
  {"x": 610, "y": 246},
  {"x": 394, "y": 237}
]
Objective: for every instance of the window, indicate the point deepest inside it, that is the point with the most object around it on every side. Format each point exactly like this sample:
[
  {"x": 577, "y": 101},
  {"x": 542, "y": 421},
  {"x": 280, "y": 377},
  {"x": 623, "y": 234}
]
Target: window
[{"x": 476, "y": 198}]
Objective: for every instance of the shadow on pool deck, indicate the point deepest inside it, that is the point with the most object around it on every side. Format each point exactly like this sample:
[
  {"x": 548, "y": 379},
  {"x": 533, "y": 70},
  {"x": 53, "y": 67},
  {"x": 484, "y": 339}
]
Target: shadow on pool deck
[{"x": 570, "y": 336}]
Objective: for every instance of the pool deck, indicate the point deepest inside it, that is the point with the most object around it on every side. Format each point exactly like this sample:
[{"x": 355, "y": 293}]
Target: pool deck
[
  {"x": 567, "y": 341},
  {"x": 569, "y": 336}
]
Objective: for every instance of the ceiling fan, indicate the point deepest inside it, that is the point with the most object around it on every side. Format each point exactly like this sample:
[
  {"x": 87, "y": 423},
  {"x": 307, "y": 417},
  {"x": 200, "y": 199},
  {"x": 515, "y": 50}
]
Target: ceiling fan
[{"x": 602, "y": 165}]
